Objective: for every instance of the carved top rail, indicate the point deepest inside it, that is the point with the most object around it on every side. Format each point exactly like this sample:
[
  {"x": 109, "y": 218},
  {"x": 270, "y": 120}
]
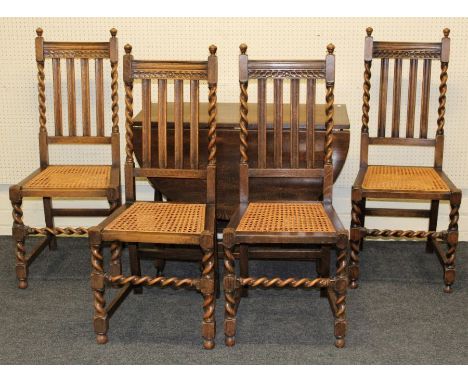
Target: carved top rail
[
  {"x": 176, "y": 70},
  {"x": 179, "y": 70},
  {"x": 62, "y": 49},
  {"x": 76, "y": 49},
  {"x": 407, "y": 50},
  {"x": 286, "y": 69}
]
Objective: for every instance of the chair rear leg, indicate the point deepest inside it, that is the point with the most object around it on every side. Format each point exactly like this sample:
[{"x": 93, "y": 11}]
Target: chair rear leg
[
  {"x": 355, "y": 239},
  {"x": 432, "y": 224},
  {"x": 49, "y": 220},
  {"x": 452, "y": 242},
  {"x": 230, "y": 286},
  {"x": 363, "y": 221},
  {"x": 135, "y": 266},
  {"x": 159, "y": 264},
  {"x": 244, "y": 267},
  {"x": 207, "y": 287},
  {"x": 340, "y": 287},
  {"x": 217, "y": 273}
]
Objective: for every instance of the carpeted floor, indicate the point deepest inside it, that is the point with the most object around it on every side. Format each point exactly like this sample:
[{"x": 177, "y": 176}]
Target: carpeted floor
[{"x": 398, "y": 315}]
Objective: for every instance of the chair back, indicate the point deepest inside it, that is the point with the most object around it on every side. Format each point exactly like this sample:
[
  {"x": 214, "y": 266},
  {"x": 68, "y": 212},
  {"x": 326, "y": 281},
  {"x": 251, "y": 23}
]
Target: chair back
[
  {"x": 286, "y": 146},
  {"x": 165, "y": 159}
]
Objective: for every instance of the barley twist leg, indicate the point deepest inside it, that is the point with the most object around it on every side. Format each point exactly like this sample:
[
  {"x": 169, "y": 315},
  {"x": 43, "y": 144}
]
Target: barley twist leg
[
  {"x": 101, "y": 324},
  {"x": 230, "y": 305},
  {"x": 340, "y": 290},
  {"x": 208, "y": 291},
  {"x": 356, "y": 226},
  {"x": 19, "y": 234},
  {"x": 452, "y": 242}
]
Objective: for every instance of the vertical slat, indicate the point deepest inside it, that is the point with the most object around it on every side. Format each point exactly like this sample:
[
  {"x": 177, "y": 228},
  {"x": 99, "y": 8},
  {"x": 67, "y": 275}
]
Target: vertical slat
[
  {"x": 194, "y": 98},
  {"x": 146, "y": 113},
  {"x": 413, "y": 75},
  {"x": 85, "y": 106},
  {"x": 425, "y": 97},
  {"x": 396, "y": 98},
  {"x": 310, "y": 105},
  {"x": 294, "y": 125},
  {"x": 178, "y": 123},
  {"x": 56, "y": 75},
  {"x": 278, "y": 122},
  {"x": 262, "y": 132},
  {"x": 383, "y": 97},
  {"x": 99, "y": 77},
  {"x": 162, "y": 123},
  {"x": 71, "y": 97}
]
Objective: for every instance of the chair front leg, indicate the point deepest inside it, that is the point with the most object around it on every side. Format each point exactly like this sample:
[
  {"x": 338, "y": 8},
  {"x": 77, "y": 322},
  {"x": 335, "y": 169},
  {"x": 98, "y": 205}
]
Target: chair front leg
[
  {"x": 355, "y": 239},
  {"x": 19, "y": 235},
  {"x": 452, "y": 242},
  {"x": 230, "y": 285},
  {"x": 101, "y": 323},
  {"x": 340, "y": 286},
  {"x": 207, "y": 288}
]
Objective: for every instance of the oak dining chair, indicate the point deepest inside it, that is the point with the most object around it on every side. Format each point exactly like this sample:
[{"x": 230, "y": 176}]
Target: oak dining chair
[
  {"x": 403, "y": 183},
  {"x": 296, "y": 225},
  {"x": 171, "y": 223},
  {"x": 69, "y": 181}
]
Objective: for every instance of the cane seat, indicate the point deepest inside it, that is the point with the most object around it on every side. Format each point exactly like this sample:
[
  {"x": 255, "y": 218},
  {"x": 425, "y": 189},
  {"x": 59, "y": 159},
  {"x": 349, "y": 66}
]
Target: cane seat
[
  {"x": 71, "y": 177},
  {"x": 285, "y": 217},
  {"x": 403, "y": 178},
  {"x": 160, "y": 218}
]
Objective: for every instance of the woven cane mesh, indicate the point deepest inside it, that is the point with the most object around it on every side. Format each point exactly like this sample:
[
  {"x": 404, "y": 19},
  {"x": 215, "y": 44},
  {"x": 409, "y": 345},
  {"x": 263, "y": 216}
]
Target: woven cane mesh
[
  {"x": 403, "y": 178},
  {"x": 285, "y": 217},
  {"x": 71, "y": 177},
  {"x": 161, "y": 218}
]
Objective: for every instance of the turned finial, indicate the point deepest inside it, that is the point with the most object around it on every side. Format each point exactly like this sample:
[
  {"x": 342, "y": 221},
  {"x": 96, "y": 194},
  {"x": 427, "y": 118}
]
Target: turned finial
[
  {"x": 446, "y": 32},
  {"x": 39, "y": 32},
  {"x": 213, "y": 49},
  {"x": 330, "y": 48},
  {"x": 128, "y": 48},
  {"x": 243, "y": 48},
  {"x": 369, "y": 31},
  {"x": 113, "y": 32}
]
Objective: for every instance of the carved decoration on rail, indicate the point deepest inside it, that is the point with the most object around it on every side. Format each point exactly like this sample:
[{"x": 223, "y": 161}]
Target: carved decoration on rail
[
  {"x": 76, "y": 53},
  {"x": 404, "y": 53},
  {"x": 172, "y": 74},
  {"x": 287, "y": 73}
]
